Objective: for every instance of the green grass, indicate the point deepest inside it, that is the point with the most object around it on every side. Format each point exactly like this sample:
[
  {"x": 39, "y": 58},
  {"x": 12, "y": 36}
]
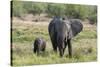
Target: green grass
[{"x": 84, "y": 46}]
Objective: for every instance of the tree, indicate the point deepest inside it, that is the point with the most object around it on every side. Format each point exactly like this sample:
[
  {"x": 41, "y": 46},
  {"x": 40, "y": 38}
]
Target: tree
[
  {"x": 56, "y": 9},
  {"x": 92, "y": 14},
  {"x": 76, "y": 11},
  {"x": 17, "y": 8}
]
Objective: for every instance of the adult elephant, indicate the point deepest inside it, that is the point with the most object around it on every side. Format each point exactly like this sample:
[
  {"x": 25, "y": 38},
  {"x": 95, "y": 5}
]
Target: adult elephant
[{"x": 61, "y": 32}]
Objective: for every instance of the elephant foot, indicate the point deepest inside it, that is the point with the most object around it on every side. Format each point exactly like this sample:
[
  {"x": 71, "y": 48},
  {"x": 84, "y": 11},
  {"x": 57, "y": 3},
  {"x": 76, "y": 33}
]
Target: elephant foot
[
  {"x": 61, "y": 56},
  {"x": 55, "y": 50},
  {"x": 70, "y": 56}
]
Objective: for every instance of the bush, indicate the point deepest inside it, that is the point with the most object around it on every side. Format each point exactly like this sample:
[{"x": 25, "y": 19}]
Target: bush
[
  {"x": 17, "y": 9},
  {"x": 70, "y": 10},
  {"x": 93, "y": 19},
  {"x": 56, "y": 10}
]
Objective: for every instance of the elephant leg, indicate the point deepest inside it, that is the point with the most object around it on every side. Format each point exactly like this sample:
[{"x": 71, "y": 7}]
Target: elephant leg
[
  {"x": 34, "y": 50},
  {"x": 38, "y": 52},
  {"x": 43, "y": 49},
  {"x": 69, "y": 48},
  {"x": 60, "y": 51},
  {"x": 55, "y": 48},
  {"x": 43, "y": 46},
  {"x": 65, "y": 44},
  {"x": 54, "y": 45}
]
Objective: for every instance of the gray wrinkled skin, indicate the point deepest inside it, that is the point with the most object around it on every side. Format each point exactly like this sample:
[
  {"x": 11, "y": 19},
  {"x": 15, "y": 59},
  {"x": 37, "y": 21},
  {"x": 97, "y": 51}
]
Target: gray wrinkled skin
[
  {"x": 76, "y": 26},
  {"x": 61, "y": 32},
  {"x": 39, "y": 45}
]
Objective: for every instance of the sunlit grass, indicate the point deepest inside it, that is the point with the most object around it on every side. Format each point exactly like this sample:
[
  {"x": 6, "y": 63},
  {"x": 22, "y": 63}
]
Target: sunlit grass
[{"x": 84, "y": 46}]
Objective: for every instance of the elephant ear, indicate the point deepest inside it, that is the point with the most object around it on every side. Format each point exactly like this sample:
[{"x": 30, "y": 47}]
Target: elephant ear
[{"x": 76, "y": 26}]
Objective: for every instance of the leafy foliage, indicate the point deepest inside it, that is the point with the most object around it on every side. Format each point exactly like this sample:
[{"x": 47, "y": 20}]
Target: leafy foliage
[
  {"x": 70, "y": 10},
  {"x": 56, "y": 10}
]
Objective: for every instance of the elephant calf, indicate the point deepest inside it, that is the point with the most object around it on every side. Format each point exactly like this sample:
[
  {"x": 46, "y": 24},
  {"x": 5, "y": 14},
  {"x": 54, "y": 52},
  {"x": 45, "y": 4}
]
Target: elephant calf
[{"x": 39, "y": 45}]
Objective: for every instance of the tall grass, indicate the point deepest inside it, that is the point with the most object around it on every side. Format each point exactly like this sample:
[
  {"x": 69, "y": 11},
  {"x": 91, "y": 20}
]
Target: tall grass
[{"x": 84, "y": 46}]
